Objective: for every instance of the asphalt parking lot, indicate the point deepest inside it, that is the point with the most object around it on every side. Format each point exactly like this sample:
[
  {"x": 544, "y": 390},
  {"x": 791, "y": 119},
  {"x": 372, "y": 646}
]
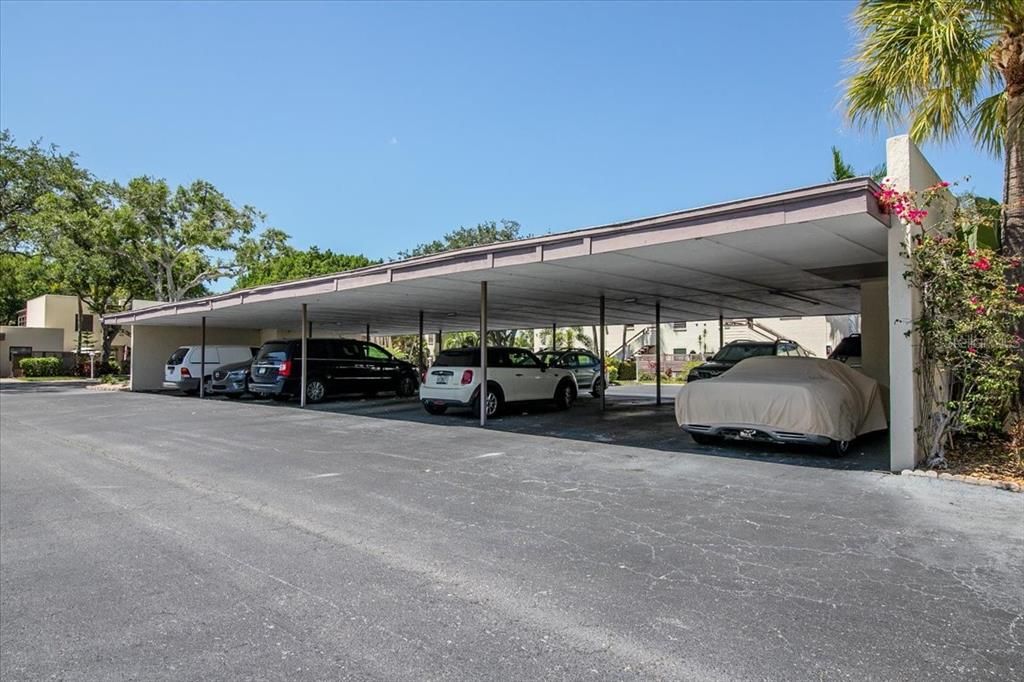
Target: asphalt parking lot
[{"x": 161, "y": 537}]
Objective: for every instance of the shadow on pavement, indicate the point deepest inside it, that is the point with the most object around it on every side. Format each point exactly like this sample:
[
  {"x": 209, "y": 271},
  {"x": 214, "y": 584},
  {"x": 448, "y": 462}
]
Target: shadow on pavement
[{"x": 630, "y": 420}]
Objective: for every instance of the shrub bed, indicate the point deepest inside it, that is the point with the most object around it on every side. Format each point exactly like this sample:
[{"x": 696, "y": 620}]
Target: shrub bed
[{"x": 41, "y": 367}]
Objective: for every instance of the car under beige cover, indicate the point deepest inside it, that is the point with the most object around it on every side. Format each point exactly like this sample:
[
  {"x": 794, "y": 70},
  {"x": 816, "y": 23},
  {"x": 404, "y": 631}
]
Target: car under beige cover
[{"x": 801, "y": 395}]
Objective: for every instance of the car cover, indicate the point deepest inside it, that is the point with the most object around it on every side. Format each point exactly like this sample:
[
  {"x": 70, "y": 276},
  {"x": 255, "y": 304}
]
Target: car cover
[{"x": 800, "y": 395}]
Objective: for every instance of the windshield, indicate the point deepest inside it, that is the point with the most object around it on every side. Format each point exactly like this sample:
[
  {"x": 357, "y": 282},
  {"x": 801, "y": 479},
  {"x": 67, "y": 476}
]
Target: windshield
[
  {"x": 178, "y": 356},
  {"x": 273, "y": 352},
  {"x": 735, "y": 352}
]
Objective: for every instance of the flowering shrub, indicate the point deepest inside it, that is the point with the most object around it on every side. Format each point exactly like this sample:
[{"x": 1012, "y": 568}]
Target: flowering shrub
[{"x": 971, "y": 357}]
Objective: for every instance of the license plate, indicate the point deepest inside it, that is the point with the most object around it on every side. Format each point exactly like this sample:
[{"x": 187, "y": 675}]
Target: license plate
[{"x": 442, "y": 379}]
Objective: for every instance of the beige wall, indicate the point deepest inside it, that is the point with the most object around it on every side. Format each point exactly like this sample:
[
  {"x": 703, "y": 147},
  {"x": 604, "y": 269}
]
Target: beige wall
[
  {"x": 37, "y": 338},
  {"x": 57, "y": 311},
  {"x": 151, "y": 346}
]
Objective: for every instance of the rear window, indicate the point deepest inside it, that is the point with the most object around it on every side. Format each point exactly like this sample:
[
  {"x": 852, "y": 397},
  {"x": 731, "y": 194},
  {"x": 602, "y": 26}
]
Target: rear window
[
  {"x": 178, "y": 356},
  {"x": 273, "y": 352},
  {"x": 463, "y": 357},
  {"x": 848, "y": 348},
  {"x": 734, "y": 352},
  {"x": 549, "y": 358}
]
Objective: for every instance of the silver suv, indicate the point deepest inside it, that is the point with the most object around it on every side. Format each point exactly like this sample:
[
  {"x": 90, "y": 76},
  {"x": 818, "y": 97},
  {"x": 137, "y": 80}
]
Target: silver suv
[{"x": 582, "y": 363}]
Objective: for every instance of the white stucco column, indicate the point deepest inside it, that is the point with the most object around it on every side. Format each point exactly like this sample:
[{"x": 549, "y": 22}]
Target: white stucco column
[{"x": 907, "y": 169}]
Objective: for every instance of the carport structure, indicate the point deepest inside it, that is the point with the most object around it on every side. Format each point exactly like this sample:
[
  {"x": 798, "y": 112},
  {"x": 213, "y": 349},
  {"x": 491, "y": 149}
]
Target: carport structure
[{"x": 820, "y": 250}]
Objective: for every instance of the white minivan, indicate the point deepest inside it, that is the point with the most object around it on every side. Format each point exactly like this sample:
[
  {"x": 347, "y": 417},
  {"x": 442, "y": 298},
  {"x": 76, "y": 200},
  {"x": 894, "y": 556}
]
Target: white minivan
[{"x": 184, "y": 367}]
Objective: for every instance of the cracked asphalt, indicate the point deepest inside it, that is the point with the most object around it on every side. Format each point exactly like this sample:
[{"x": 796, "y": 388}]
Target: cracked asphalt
[{"x": 157, "y": 537}]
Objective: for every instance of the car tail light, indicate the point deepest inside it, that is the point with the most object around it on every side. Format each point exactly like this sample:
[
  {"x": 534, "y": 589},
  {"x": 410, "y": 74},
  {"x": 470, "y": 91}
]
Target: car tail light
[
  {"x": 467, "y": 377},
  {"x": 185, "y": 374},
  {"x": 285, "y": 369},
  {"x": 423, "y": 376}
]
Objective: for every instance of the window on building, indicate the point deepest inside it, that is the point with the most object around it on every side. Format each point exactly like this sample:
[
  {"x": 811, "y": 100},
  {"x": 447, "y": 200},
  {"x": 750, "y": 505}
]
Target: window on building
[
  {"x": 86, "y": 325},
  {"x": 797, "y": 317},
  {"x": 679, "y": 326},
  {"x": 678, "y": 351}
]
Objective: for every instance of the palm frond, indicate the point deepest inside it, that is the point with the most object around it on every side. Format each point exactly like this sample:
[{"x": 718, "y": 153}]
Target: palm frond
[{"x": 920, "y": 62}]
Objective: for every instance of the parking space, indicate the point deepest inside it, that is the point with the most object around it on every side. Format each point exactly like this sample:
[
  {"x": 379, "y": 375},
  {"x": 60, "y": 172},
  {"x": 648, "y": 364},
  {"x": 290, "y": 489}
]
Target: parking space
[{"x": 632, "y": 419}]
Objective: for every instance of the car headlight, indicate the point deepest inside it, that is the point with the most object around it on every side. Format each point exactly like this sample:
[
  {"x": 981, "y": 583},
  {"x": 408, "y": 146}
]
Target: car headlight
[{"x": 240, "y": 374}]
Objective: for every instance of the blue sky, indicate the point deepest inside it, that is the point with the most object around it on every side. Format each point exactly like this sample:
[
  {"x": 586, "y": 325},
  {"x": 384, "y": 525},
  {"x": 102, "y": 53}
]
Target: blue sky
[{"x": 372, "y": 127}]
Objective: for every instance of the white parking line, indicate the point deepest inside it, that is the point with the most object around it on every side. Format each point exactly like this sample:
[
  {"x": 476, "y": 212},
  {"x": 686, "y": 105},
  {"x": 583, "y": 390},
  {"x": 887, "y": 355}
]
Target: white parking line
[
  {"x": 306, "y": 478},
  {"x": 489, "y": 454}
]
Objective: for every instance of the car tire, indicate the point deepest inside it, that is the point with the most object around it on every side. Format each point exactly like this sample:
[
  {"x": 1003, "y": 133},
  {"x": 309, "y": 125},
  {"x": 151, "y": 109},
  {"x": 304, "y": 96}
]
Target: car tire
[
  {"x": 316, "y": 391},
  {"x": 596, "y": 388},
  {"x": 565, "y": 395},
  {"x": 435, "y": 409},
  {"x": 495, "y": 401},
  {"x": 839, "y": 448},
  {"x": 406, "y": 387},
  {"x": 702, "y": 438}
]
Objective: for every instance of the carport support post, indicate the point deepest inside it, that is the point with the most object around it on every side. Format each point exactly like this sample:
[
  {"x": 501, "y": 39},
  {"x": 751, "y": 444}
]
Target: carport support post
[
  {"x": 367, "y": 333},
  {"x": 202, "y": 360},
  {"x": 483, "y": 353},
  {"x": 422, "y": 369},
  {"x": 604, "y": 360},
  {"x": 302, "y": 374},
  {"x": 721, "y": 331},
  {"x": 657, "y": 352},
  {"x": 554, "y": 332}
]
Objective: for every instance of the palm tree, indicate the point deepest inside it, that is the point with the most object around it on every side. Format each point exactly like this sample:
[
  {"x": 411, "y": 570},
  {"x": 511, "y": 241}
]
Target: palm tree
[{"x": 946, "y": 68}]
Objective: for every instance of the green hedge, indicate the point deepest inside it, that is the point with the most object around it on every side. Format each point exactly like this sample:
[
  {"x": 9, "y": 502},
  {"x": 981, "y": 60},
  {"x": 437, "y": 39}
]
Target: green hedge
[{"x": 41, "y": 367}]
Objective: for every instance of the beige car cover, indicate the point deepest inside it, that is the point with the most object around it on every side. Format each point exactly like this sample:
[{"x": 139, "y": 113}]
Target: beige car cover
[{"x": 801, "y": 395}]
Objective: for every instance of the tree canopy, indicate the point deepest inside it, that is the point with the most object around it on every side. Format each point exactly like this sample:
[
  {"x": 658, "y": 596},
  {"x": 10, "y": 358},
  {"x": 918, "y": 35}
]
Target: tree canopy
[
  {"x": 487, "y": 232},
  {"x": 264, "y": 265}
]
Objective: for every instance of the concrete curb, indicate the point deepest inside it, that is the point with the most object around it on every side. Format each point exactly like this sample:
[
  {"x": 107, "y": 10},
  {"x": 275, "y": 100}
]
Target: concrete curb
[{"x": 969, "y": 480}]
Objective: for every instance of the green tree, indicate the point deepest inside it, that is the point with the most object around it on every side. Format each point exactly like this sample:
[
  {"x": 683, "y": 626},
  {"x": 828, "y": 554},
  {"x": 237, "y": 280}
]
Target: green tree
[
  {"x": 23, "y": 276},
  {"x": 26, "y": 174},
  {"x": 268, "y": 260},
  {"x": 947, "y": 68},
  {"x": 568, "y": 337},
  {"x": 484, "y": 233},
  {"x": 81, "y": 236},
  {"x": 185, "y": 239},
  {"x": 844, "y": 171}
]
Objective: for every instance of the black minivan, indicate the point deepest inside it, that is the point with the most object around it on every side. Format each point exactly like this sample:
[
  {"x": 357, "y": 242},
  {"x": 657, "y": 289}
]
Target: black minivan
[{"x": 336, "y": 366}]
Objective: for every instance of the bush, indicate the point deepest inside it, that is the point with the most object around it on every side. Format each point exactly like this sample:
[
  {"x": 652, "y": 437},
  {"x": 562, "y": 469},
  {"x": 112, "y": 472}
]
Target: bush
[
  {"x": 613, "y": 375},
  {"x": 627, "y": 371},
  {"x": 41, "y": 367}
]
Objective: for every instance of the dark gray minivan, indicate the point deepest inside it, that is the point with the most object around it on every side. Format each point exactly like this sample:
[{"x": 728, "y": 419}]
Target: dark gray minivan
[{"x": 336, "y": 366}]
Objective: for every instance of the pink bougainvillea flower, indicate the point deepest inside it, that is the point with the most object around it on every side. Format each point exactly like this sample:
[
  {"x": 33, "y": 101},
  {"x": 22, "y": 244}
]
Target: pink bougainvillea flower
[
  {"x": 972, "y": 350},
  {"x": 982, "y": 264}
]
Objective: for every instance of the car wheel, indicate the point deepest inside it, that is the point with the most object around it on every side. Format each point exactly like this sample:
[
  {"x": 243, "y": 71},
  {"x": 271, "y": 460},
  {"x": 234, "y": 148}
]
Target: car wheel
[
  {"x": 495, "y": 401},
  {"x": 596, "y": 388},
  {"x": 435, "y": 409},
  {"x": 839, "y": 448},
  {"x": 565, "y": 395},
  {"x": 702, "y": 438},
  {"x": 406, "y": 387},
  {"x": 315, "y": 391}
]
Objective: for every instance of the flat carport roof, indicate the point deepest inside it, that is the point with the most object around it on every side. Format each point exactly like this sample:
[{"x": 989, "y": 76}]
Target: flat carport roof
[{"x": 796, "y": 253}]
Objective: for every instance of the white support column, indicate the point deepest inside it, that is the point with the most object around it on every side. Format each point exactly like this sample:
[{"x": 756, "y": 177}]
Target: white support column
[
  {"x": 657, "y": 352},
  {"x": 202, "y": 361},
  {"x": 908, "y": 170},
  {"x": 304, "y": 344},
  {"x": 483, "y": 353},
  {"x": 604, "y": 363}
]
